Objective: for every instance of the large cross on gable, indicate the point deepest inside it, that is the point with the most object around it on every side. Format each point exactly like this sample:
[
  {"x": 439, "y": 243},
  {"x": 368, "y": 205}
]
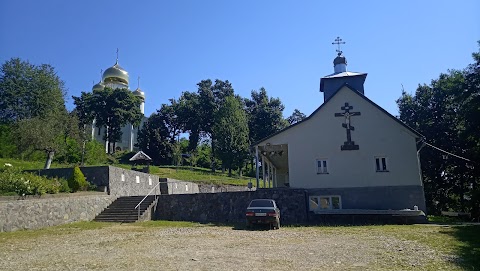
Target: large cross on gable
[{"x": 349, "y": 144}]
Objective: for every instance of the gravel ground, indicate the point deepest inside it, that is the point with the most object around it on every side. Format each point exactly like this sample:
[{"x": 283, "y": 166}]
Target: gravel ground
[{"x": 132, "y": 247}]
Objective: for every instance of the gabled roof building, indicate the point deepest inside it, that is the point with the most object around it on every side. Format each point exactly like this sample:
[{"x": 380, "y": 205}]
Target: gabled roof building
[{"x": 348, "y": 154}]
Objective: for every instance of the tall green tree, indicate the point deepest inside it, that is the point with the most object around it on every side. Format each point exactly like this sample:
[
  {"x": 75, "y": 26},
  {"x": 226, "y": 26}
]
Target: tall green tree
[
  {"x": 211, "y": 98},
  {"x": 157, "y": 138},
  {"x": 32, "y": 99},
  {"x": 189, "y": 115},
  {"x": 198, "y": 111},
  {"x": 8, "y": 147},
  {"x": 296, "y": 116},
  {"x": 41, "y": 134},
  {"x": 265, "y": 115},
  {"x": 433, "y": 111},
  {"x": 447, "y": 113},
  {"x": 28, "y": 91},
  {"x": 231, "y": 131},
  {"x": 85, "y": 118},
  {"x": 111, "y": 109},
  {"x": 471, "y": 114}
]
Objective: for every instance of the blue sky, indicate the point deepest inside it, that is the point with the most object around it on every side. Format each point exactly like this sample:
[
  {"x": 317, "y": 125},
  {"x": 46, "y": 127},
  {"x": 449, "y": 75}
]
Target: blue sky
[{"x": 284, "y": 46}]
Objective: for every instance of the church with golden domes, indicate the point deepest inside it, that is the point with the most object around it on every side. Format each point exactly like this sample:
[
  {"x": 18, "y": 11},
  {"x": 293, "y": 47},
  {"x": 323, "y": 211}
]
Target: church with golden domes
[{"x": 116, "y": 77}]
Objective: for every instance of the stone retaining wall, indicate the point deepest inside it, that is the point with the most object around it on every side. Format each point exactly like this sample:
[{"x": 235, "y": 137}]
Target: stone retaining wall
[
  {"x": 172, "y": 186},
  {"x": 118, "y": 181},
  {"x": 214, "y": 188},
  {"x": 230, "y": 206},
  {"x": 125, "y": 182},
  {"x": 40, "y": 213}
]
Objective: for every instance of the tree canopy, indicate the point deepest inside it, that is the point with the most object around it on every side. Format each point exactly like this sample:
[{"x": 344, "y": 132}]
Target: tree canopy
[
  {"x": 110, "y": 108},
  {"x": 29, "y": 91},
  {"x": 265, "y": 115},
  {"x": 231, "y": 130},
  {"x": 296, "y": 116},
  {"x": 447, "y": 113},
  {"x": 32, "y": 102}
]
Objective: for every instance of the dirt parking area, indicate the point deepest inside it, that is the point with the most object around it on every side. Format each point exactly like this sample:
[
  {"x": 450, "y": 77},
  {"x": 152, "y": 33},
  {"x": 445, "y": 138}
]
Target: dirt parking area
[{"x": 198, "y": 247}]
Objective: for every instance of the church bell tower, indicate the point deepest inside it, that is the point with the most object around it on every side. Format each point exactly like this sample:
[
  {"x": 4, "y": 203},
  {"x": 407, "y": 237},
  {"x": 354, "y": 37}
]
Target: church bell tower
[{"x": 331, "y": 83}]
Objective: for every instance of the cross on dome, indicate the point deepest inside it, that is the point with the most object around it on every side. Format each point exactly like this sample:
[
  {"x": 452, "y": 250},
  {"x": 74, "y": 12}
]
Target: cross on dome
[
  {"x": 338, "y": 41},
  {"x": 340, "y": 62}
]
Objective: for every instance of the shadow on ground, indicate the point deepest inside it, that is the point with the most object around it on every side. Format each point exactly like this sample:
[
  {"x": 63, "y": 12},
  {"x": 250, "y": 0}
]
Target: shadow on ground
[{"x": 469, "y": 247}]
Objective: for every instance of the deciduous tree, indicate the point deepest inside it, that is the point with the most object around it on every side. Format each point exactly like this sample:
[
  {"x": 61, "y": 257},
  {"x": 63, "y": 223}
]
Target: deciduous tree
[
  {"x": 158, "y": 134},
  {"x": 111, "y": 109},
  {"x": 29, "y": 91},
  {"x": 296, "y": 116},
  {"x": 231, "y": 131},
  {"x": 447, "y": 113},
  {"x": 265, "y": 115}
]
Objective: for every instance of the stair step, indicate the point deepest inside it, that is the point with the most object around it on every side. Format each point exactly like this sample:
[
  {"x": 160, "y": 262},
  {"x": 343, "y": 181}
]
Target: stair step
[
  {"x": 123, "y": 209},
  {"x": 116, "y": 217},
  {"x": 115, "y": 220}
]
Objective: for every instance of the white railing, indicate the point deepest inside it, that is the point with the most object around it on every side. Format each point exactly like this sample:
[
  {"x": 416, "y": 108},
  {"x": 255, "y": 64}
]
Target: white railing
[{"x": 156, "y": 197}]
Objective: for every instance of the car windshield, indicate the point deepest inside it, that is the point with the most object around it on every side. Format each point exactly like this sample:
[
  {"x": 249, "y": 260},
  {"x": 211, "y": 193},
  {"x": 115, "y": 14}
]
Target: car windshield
[{"x": 261, "y": 203}]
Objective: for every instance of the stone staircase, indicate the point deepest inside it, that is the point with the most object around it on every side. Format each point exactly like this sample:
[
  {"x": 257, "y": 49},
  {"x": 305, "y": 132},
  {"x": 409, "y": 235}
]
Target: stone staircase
[{"x": 123, "y": 209}]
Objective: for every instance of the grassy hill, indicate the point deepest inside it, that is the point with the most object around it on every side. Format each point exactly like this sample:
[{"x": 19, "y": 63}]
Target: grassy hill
[{"x": 198, "y": 175}]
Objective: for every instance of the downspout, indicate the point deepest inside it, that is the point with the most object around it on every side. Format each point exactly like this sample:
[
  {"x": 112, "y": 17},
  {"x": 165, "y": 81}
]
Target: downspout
[
  {"x": 256, "y": 162},
  {"x": 263, "y": 170},
  {"x": 422, "y": 142}
]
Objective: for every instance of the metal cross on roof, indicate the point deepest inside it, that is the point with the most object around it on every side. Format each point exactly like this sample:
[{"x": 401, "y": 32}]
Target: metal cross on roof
[{"x": 338, "y": 41}]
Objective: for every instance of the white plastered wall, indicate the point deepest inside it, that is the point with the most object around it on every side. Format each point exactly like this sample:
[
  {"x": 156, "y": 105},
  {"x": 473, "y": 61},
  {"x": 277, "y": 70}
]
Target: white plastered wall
[{"x": 376, "y": 133}]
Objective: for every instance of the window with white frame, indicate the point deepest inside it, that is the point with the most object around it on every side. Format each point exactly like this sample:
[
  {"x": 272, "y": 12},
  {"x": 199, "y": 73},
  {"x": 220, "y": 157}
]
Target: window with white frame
[
  {"x": 322, "y": 166},
  {"x": 381, "y": 164},
  {"x": 325, "y": 202}
]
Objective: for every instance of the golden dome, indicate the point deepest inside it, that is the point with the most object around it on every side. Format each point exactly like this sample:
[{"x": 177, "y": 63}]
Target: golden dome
[
  {"x": 98, "y": 86},
  {"x": 138, "y": 92},
  {"x": 115, "y": 74}
]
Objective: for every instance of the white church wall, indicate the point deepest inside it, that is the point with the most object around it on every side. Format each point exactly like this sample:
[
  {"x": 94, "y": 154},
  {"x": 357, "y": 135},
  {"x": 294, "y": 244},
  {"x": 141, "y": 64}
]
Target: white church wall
[
  {"x": 377, "y": 134},
  {"x": 129, "y": 136}
]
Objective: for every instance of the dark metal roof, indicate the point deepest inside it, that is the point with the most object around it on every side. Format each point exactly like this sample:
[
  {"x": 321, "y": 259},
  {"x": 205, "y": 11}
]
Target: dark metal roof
[
  {"x": 321, "y": 106},
  {"x": 343, "y": 74}
]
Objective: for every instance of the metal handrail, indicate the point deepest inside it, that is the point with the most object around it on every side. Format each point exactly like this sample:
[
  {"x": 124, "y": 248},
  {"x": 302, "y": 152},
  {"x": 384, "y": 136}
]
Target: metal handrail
[{"x": 138, "y": 205}]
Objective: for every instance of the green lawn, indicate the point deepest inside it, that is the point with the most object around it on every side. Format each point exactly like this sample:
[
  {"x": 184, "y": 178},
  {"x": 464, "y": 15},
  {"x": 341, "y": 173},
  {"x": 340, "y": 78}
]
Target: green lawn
[
  {"x": 198, "y": 175},
  {"x": 28, "y": 164},
  {"x": 461, "y": 241}
]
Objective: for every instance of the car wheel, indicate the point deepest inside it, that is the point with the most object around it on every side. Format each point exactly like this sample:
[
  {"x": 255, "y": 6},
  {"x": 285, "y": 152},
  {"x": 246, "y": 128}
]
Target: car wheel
[
  {"x": 248, "y": 224},
  {"x": 277, "y": 224}
]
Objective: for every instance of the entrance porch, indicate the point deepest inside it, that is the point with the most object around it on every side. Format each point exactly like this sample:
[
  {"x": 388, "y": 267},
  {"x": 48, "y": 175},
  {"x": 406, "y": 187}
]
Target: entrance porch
[{"x": 274, "y": 165}]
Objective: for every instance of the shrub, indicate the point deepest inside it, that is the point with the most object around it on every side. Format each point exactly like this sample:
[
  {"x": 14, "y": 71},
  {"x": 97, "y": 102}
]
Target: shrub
[
  {"x": 63, "y": 185},
  {"x": 92, "y": 187},
  {"x": 23, "y": 184},
  {"x": 77, "y": 181}
]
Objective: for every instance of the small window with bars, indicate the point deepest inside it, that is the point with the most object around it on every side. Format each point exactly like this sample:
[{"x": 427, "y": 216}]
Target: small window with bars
[{"x": 381, "y": 164}]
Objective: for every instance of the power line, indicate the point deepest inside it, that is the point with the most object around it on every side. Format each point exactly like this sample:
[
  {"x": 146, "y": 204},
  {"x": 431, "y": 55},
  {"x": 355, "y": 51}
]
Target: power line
[{"x": 449, "y": 153}]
